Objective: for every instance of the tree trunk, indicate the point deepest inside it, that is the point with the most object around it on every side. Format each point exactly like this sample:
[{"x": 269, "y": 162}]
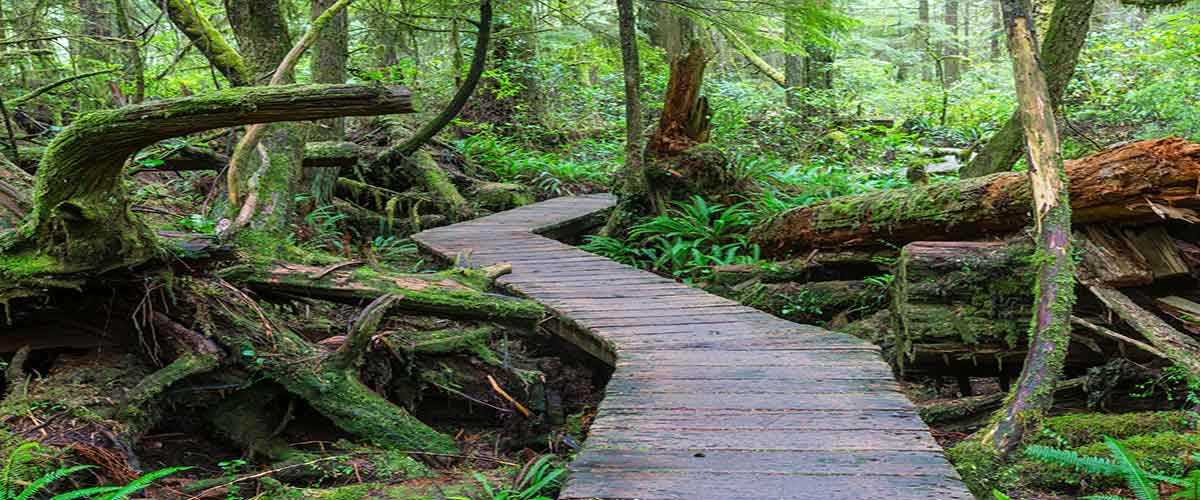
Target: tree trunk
[
  {"x": 950, "y": 48},
  {"x": 634, "y": 188},
  {"x": 1127, "y": 183},
  {"x": 793, "y": 68},
  {"x": 1050, "y": 331},
  {"x": 997, "y": 31},
  {"x": 329, "y": 55},
  {"x": 923, "y": 37},
  {"x": 1068, "y": 29},
  {"x": 80, "y": 220}
]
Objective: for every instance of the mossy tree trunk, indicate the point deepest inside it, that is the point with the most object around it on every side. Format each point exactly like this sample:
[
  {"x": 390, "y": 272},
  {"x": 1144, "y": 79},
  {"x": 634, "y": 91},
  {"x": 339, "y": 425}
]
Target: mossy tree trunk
[
  {"x": 1064, "y": 39},
  {"x": 1121, "y": 184},
  {"x": 329, "y": 56},
  {"x": 80, "y": 222},
  {"x": 1050, "y": 331},
  {"x": 205, "y": 37},
  {"x": 634, "y": 188}
]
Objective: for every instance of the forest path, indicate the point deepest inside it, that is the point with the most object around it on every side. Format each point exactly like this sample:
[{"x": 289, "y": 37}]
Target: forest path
[{"x": 710, "y": 399}]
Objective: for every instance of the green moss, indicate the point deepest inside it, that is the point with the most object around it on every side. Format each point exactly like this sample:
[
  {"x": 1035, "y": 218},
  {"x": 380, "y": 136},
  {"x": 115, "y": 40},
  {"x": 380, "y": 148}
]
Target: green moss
[
  {"x": 1167, "y": 453},
  {"x": 1079, "y": 429},
  {"x": 980, "y": 467}
]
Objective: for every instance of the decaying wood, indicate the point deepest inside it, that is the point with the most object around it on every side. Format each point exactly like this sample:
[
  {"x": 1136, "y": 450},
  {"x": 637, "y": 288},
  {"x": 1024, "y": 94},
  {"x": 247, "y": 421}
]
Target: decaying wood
[
  {"x": 436, "y": 294},
  {"x": 1159, "y": 250},
  {"x": 1107, "y": 258},
  {"x": 969, "y": 413},
  {"x": 1123, "y": 184},
  {"x": 80, "y": 216},
  {"x": 1183, "y": 310},
  {"x": 15, "y": 189},
  {"x": 1180, "y": 348}
]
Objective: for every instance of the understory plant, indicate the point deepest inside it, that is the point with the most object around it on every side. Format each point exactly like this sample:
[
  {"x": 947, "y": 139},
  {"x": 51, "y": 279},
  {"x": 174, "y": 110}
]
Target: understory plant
[
  {"x": 1142, "y": 483},
  {"x": 20, "y": 461},
  {"x": 687, "y": 242},
  {"x": 539, "y": 480}
]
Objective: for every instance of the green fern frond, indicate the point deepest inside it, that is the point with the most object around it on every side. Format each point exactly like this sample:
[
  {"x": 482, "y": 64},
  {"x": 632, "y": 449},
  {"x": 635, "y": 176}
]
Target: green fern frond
[
  {"x": 1091, "y": 465},
  {"x": 85, "y": 493},
  {"x": 141, "y": 483},
  {"x": 1135, "y": 477},
  {"x": 47, "y": 479}
]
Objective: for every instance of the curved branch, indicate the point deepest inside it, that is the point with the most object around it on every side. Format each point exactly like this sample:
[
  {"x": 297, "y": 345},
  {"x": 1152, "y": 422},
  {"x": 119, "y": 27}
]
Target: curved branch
[
  {"x": 402, "y": 151},
  {"x": 201, "y": 32},
  {"x": 80, "y": 215},
  {"x": 250, "y": 140}
]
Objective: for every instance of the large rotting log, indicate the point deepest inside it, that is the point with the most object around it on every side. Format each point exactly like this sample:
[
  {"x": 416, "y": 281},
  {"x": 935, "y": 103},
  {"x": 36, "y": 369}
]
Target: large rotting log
[
  {"x": 1140, "y": 181},
  {"x": 80, "y": 220},
  {"x": 327, "y": 381},
  {"x": 961, "y": 306}
]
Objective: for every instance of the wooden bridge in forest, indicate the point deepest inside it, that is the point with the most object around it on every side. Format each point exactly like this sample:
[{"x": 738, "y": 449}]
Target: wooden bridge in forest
[{"x": 710, "y": 399}]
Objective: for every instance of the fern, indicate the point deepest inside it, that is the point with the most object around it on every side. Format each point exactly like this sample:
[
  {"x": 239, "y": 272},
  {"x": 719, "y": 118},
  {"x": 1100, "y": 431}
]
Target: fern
[
  {"x": 141, "y": 483},
  {"x": 1191, "y": 487},
  {"x": 1090, "y": 465},
  {"x": 1135, "y": 477},
  {"x": 47, "y": 479}
]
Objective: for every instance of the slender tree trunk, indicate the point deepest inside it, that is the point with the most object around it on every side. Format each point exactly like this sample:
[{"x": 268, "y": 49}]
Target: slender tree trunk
[
  {"x": 950, "y": 49},
  {"x": 634, "y": 188},
  {"x": 329, "y": 55},
  {"x": 997, "y": 30},
  {"x": 135, "y": 67},
  {"x": 923, "y": 37},
  {"x": 1050, "y": 332},
  {"x": 208, "y": 40},
  {"x": 1067, "y": 33},
  {"x": 793, "y": 66}
]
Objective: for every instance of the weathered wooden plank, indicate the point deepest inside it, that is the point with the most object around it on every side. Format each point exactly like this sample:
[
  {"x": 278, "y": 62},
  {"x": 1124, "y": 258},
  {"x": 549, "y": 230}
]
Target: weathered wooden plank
[
  {"x": 649, "y": 485},
  {"x": 743, "y": 439},
  {"x": 710, "y": 399},
  {"x": 757, "y": 421},
  {"x": 881, "y": 463}
]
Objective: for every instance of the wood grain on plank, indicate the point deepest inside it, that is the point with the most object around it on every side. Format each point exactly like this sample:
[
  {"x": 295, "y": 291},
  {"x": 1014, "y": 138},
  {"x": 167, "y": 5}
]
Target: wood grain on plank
[{"x": 709, "y": 399}]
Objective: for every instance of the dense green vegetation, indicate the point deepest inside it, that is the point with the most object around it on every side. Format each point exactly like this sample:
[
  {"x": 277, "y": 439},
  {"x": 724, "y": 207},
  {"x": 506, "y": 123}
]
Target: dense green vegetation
[{"x": 246, "y": 315}]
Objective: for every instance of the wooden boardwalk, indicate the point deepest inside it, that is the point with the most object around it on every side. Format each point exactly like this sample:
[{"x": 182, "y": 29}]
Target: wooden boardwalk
[{"x": 710, "y": 399}]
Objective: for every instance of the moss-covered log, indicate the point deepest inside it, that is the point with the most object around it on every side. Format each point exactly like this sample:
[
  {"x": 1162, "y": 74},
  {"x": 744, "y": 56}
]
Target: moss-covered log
[
  {"x": 816, "y": 301},
  {"x": 319, "y": 377},
  {"x": 1119, "y": 184},
  {"x": 80, "y": 220},
  {"x": 456, "y": 293},
  {"x": 960, "y": 293},
  {"x": 15, "y": 188}
]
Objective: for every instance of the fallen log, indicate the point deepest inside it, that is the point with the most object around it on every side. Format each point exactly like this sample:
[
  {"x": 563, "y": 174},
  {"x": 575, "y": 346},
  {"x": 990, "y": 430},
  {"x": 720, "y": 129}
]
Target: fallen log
[
  {"x": 445, "y": 294},
  {"x": 1178, "y": 347},
  {"x": 1139, "y": 181},
  {"x": 80, "y": 221}
]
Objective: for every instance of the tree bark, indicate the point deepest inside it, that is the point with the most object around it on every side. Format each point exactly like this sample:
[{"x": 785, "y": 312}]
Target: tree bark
[
  {"x": 288, "y": 161},
  {"x": 1115, "y": 185},
  {"x": 950, "y": 48},
  {"x": 208, "y": 40},
  {"x": 80, "y": 220},
  {"x": 1050, "y": 331},
  {"x": 329, "y": 56},
  {"x": 1068, "y": 30},
  {"x": 634, "y": 188},
  {"x": 923, "y": 37}
]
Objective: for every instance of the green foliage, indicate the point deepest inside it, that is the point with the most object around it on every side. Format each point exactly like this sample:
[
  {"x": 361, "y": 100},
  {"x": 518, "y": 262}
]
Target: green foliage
[
  {"x": 686, "y": 242},
  {"x": 540, "y": 480},
  {"x": 1142, "y": 483},
  {"x": 18, "y": 465}
]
